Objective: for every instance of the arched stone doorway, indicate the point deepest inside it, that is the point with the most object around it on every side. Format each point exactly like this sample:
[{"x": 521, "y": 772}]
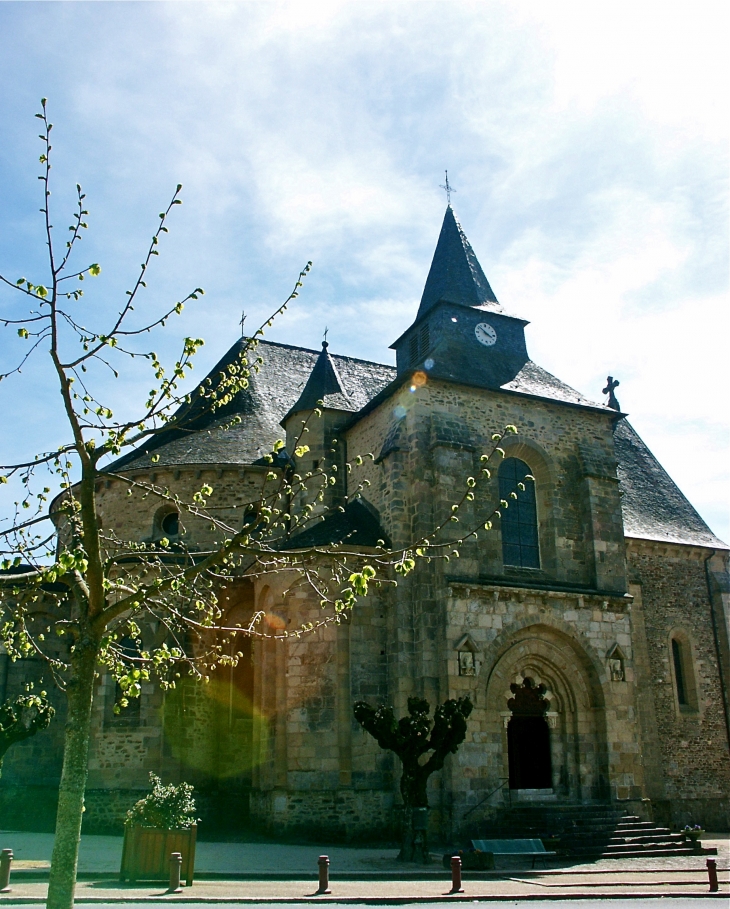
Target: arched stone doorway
[
  {"x": 528, "y": 738},
  {"x": 545, "y": 718}
]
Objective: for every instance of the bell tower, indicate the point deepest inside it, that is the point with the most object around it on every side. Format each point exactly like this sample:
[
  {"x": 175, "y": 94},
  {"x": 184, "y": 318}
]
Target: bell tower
[{"x": 461, "y": 331}]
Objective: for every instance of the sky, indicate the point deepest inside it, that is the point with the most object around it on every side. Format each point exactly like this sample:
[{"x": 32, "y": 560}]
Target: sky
[{"x": 587, "y": 144}]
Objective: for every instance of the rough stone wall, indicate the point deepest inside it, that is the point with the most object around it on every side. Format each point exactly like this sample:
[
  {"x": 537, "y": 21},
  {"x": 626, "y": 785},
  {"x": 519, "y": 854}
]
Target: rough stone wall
[
  {"x": 318, "y": 771},
  {"x": 132, "y": 517},
  {"x": 124, "y": 749},
  {"x": 348, "y": 815},
  {"x": 446, "y": 427},
  {"x": 690, "y": 761}
]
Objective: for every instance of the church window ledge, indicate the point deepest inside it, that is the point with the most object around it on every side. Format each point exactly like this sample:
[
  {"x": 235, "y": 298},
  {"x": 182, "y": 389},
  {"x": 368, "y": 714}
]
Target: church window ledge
[{"x": 453, "y": 444}]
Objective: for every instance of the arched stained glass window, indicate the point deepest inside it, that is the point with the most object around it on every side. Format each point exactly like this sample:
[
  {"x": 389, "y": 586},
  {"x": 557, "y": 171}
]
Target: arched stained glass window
[{"x": 520, "y": 545}]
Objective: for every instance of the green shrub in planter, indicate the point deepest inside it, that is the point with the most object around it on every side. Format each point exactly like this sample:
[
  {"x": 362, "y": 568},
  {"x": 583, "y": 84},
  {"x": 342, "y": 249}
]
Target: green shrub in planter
[
  {"x": 167, "y": 807},
  {"x": 160, "y": 823}
]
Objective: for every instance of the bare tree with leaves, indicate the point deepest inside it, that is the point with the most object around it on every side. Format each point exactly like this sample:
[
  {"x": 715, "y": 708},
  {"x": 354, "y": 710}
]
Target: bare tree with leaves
[{"x": 74, "y": 593}]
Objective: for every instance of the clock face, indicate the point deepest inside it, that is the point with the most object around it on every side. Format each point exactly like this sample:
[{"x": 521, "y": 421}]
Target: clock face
[{"x": 485, "y": 334}]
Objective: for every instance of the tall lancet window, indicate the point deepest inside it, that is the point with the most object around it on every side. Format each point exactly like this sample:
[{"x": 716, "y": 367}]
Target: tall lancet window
[{"x": 520, "y": 545}]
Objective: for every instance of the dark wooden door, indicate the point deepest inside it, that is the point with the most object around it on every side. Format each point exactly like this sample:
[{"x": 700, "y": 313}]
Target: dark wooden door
[{"x": 528, "y": 744}]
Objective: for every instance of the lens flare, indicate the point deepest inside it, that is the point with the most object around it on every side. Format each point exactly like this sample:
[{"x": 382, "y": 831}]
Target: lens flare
[
  {"x": 274, "y": 621},
  {"x": 214, "y": 728}
]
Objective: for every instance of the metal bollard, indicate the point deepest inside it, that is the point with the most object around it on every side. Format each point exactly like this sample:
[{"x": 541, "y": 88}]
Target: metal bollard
[
  {"x": 324, "y": 874},
  {"x": 456, "y": 875},
  {"x": 175, "y": 872},
  {"x": 6, "y": 859},
  {"x": 712, "y": 874}
]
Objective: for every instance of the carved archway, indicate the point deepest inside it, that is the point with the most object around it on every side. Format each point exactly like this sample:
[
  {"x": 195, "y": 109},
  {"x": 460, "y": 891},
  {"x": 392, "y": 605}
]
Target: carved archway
[{"x": 565, "y": 686}]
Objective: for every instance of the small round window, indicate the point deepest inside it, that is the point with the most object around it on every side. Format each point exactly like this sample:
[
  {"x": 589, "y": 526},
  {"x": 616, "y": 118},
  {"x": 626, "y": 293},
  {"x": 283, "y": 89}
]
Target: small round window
[{"x": 170, "y": 524}]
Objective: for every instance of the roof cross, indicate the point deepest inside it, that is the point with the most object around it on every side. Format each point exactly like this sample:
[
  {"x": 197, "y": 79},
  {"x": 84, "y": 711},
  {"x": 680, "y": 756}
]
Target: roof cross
[
  {"x": 324, "y": 337},
  {"x": 448, "y": 187},
  {"x": 243, "y": 319},
  {"x": 611, "y": 384}
]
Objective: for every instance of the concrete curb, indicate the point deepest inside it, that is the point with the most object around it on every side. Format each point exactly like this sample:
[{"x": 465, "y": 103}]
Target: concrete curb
[{"x": 379, "y": 901}]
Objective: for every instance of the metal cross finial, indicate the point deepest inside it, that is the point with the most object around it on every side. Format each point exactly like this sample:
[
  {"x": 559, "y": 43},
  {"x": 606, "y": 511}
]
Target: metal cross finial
[
  {"x": 324, "y": 337},
  {"x": 611, "y": 384},
  {"x": 243, "y": 319},
  {"x": 448, "y": 187}
]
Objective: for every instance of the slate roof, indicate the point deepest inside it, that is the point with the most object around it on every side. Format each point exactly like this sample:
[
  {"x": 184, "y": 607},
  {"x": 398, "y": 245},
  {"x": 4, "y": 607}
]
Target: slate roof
[
  {"x": 356, "y": 526},
  {"x": 324, "y": 384},
  {"x": 534, "y": 380},
  {"x": 653, "y": 506},
  {"x": 289, "y": 377},
  {"x": 272, "y": 392},
  {"x": 455, "y": 275}
]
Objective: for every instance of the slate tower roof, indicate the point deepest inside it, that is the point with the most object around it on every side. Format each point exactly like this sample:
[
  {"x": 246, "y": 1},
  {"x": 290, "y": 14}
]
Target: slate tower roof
[
  {"x": 457, "y": 305},
  {"x": 455, "y": 275},
  {"x": 324, "y": 384}
]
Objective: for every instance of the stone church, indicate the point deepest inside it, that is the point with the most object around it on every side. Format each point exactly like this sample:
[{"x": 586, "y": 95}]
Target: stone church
[{"x": 589, "y": 627}]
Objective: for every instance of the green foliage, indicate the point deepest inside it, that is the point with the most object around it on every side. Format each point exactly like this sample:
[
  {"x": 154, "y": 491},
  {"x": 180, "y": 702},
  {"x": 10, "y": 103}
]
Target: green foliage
[
  {"x": 22, "y": 717},
  {"x": 167, "y": 807}
]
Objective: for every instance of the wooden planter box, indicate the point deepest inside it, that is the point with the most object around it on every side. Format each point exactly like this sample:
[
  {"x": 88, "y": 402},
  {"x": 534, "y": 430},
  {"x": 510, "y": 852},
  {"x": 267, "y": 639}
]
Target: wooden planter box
[{"x": 146, "y": 853}]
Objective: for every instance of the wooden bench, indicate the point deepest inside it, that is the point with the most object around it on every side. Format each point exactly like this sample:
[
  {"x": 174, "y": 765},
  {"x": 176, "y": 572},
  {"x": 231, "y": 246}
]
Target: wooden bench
[{"x": 534, "y": 849}]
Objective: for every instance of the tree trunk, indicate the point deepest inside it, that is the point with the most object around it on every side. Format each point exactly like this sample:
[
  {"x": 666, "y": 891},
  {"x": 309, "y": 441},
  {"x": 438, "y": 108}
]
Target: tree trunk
[
  {"x": 414, "y": 790},
  {"x": 406, "y": 841},
  {"x": 80, "y": 693}
]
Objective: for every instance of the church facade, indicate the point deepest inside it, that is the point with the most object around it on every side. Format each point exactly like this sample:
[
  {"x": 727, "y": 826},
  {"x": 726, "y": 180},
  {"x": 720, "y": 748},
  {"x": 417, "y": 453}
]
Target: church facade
[{"x": 589, "y": 627}]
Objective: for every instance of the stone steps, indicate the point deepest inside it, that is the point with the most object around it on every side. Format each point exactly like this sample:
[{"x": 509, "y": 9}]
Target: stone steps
[{"x": 588, "y": 830}]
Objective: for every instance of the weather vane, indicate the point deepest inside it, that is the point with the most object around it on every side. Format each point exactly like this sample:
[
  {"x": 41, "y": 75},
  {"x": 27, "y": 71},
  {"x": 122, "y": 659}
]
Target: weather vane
[
  {"x": 243, "y": 319},
  {"x": 324, "y": 337},
  {"x": 448, "y": 187}
]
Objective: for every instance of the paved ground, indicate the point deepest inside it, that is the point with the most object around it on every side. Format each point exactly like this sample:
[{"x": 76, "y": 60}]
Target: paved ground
[
  {"x": 287, "y": 874},
  {"x": 103, "y": 855},
  {"x": 650, "y": 903},
  {"x": 507, "y": 888}
]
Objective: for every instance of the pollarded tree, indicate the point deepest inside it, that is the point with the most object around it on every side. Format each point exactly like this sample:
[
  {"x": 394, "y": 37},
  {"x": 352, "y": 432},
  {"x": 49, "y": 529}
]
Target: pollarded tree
[
  {"x": 76, "y": 594},
  {"x": 410, "y": 738}
]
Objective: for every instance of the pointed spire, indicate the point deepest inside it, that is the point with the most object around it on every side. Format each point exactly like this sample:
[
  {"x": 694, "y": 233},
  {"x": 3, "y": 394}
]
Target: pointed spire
[
  {"x": 324, "y": 384},
  {"x": 456, "y": 275}
]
